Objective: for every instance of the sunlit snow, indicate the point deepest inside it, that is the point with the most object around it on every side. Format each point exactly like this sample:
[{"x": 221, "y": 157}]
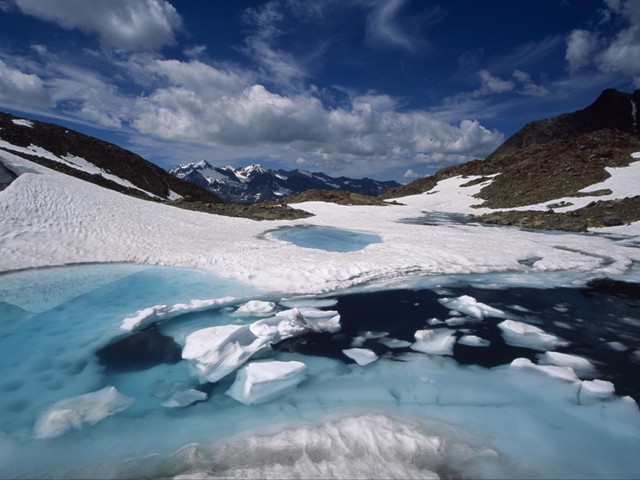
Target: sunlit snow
[{"x": 281, "y": 365}]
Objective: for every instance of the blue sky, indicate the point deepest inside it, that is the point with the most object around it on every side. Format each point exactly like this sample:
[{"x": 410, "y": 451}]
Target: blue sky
[{"x": 378, "y": 88}]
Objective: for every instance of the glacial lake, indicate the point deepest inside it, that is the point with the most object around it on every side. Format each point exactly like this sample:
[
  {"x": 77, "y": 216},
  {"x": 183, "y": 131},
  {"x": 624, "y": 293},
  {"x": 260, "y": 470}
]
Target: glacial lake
[{"x": 459, "y": 403}]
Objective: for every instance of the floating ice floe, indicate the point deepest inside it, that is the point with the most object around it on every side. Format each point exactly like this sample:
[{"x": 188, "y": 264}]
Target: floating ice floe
[
  {"x": 256, "y": 308},
  {"x": 394, "y": 342},
  {"x": 592, "y": 391},
  {"x": 75, "y": 412},
  {"x": 470, "y": 306},
  {"x": 184, "y": 398},
  {"x": 215, "y": 352},
  {"x": 473, "y": 341},
  {"x": 563, "y": 373},
  {"x": 260, "y": 382},
  {"x": 435, "y": 342},
  {"x": 579, "y": 364},
  {"x": 157, "y": 313},
  {"x": 519, "y": 334},
  {"x": 362, "y": 356}
]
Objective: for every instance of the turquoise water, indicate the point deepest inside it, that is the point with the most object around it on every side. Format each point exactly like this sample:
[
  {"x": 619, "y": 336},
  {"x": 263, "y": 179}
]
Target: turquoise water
[
  {"x": 326, "y": 238},
  {"x": 55, "y": 321}
]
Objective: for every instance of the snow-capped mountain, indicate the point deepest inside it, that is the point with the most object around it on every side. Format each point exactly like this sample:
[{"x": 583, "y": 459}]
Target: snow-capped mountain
[{"x": 254, "y": 183}]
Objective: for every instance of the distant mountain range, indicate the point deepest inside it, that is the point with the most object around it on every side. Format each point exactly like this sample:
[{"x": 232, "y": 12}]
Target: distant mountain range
[{"x": 254, "y": 183}]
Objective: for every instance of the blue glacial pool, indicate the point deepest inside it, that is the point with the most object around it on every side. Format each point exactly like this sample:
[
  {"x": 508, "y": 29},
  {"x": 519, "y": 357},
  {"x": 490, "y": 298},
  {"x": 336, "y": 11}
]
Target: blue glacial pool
[
  {"x": 450, "y": 405},
  {"x": 326, "y": 238}
]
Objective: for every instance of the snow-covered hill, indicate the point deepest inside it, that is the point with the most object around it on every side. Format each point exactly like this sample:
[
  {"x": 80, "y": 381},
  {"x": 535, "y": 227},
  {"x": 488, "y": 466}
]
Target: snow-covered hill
[{"x": 254, "y": 183}]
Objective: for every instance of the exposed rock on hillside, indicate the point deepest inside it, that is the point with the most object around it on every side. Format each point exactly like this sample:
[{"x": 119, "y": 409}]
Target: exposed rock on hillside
[
  {"x": 554, "y": 158},
  {"x": 112, "y": 159},
  {"x": 339, "y": 197}
]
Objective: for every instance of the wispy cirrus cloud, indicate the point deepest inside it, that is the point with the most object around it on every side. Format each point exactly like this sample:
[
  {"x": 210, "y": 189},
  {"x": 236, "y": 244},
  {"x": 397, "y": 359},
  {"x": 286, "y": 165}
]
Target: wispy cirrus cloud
[{"x": 122, "y": 24}]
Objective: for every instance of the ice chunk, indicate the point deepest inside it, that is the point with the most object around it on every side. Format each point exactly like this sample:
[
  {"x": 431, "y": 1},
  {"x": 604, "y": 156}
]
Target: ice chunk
[
  {"x": 471, "y": 307},
  {"x": 184, "y": 398},
  {"x": 473, "y": 341},
  {"x": 255, "y": 308},
  {"x": 593, "y": 390},
  {"x": 435, "y": 342},
  {"x": 520, "y": 334},
  {"x": 260, "y": 382},
  {"x": 362, "y": 356},
  {"x": 579, "y": 364},
  {"x": 156, "y": 313},
  {"x": 215, "y": 352},
  {"x": 75, "y": 412},
  {"x": 563, "y": 373},
  {"x": 394, "y": 342}
]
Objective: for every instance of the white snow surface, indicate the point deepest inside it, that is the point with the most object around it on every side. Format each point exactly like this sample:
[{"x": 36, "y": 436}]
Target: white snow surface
[
  {"x": 22, "y": 122},
  {"x": 435, "y": 342},
  {"x": 82, "y": 222}
]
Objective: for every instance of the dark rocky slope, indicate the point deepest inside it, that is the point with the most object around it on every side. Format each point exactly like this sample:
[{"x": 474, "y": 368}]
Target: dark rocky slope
[
  {"x": 124, "y": 164},
  {"x": 554, "y": 158}
]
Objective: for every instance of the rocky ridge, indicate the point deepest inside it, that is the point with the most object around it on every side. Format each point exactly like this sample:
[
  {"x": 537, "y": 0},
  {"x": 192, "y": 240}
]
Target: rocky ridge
[{"x": 555, "y": 158}]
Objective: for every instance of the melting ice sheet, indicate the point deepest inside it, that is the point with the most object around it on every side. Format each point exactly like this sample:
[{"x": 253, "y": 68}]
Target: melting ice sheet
[{"x": 499, "y": 411}]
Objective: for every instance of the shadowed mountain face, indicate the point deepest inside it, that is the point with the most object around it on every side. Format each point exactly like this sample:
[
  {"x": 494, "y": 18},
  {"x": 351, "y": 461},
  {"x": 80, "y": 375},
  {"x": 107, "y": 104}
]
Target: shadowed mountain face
[
  {"x": 109, "y": 158},
  {"x": 254, "y": 183}
]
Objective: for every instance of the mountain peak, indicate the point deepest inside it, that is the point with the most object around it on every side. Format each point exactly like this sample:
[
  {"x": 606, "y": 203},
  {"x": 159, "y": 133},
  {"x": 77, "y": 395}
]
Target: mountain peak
[{"x": 612, "y": 109}]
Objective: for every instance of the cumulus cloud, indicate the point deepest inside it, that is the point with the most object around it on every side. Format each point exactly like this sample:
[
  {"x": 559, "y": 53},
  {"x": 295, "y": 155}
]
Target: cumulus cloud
[
  {"x": 619, "y": 53},
  {"x": 122, "y": 24},
  {"x": 205, "y": 104},
  {"x": 580, "y": 47},
  {"x": 26, "y": 88}
]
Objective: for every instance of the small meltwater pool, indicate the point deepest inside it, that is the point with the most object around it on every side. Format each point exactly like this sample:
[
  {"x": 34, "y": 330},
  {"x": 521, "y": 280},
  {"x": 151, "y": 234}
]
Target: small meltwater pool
[{"x": 326, "y": 238}]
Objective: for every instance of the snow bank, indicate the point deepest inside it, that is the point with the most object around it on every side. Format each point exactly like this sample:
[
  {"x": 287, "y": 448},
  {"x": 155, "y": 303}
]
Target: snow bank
[
  {"x": 519, "y": 334},
  {"x": 260, "y": 382},
  {"x": 75, "y": 412},
  {"x": 108, "y": 227},
  {"x": 592, "y": 391}
]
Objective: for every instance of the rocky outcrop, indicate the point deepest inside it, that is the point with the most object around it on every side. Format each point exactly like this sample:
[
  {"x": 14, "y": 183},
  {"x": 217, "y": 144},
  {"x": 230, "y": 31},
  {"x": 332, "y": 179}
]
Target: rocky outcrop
[
  {"x": 554, "y": 158},
  {"x": 110, "y": 158}
]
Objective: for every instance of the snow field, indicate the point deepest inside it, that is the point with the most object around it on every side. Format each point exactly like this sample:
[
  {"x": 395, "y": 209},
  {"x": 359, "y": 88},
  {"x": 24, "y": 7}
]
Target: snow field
[{"x": 85, "y": 223}]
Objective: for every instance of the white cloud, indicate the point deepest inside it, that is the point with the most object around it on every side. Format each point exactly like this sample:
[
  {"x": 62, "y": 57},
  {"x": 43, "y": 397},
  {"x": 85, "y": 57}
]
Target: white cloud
[
  {"x": 619, "y": 53},
  {"x": 491, "y": 84},
  {"x": 527, "y": 85},
  {"x": 122, "y": 24},
  {"x": 204, "y": 104},
  {"x": 580, "y": 47},
  {"x": 19, "y": 88},
  {"x": 410, "y": 174}
]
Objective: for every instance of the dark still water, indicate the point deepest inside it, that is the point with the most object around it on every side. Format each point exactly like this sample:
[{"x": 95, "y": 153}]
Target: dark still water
[{"x": 599, "y": 322}]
